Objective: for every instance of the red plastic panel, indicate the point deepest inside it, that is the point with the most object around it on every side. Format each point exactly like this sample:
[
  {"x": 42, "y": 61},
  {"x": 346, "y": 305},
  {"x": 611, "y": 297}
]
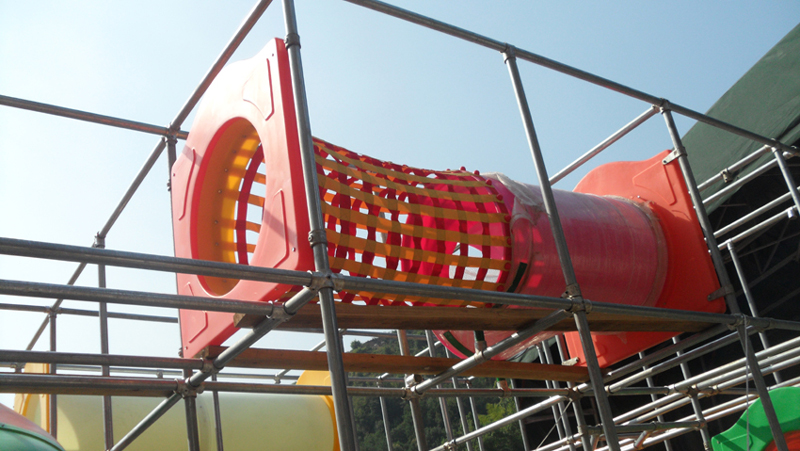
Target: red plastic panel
[
  {"x": 237, "y": 190},
  {"x": 690, "y": 275}
]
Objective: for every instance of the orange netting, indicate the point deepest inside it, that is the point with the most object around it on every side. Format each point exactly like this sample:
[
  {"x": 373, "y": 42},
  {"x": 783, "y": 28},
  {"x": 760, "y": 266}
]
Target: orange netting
[{"x": 394, "y": 222}]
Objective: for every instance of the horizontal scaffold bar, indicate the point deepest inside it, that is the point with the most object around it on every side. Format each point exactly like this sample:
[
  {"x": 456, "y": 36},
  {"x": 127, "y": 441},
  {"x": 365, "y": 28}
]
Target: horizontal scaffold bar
[
  {"x": 63, "y": 252},
  {"x": 449, "y": 318},
  {"x": 395, "y": 364},
  {"x": 90, "y": 117}
]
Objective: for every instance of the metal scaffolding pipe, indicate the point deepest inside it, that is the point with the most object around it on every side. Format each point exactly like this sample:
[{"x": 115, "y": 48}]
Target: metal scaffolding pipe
[
  {"x": 482, "y": 356},
  {"x": 89, "y": 117},
  {"x": 387, "y": 428},
  {"x": 711, "y": 380},
  {"x": 217, "y": 416},
  {"x": 175, "y": 125},
  {"x": 148, "y": 421},
  {"x": 190, "y": 409},
  {"x": 249, "y": 22},
  {"x": 605, "y": 144},
  {"x": 476, "y": 421},
  {"x": 356, "y": 284},
  {"x": 53, "y": 408},
  {"x": 51, "y": 251},
  {"x": 417, "y": 418},
  {"x": 448, "y": 429},
  {"x": 738, "y": 183},
  {"x": 500, "y": 423},
  {"x": 763, "y": 391},
  {"x": 560, "y": 410},
  {"x": 518, "y": 407},
  {"x": 58, "y": 383},
  {"x": 702, "y": 215},
  {"x": 734, "y": 167},
  {"x": 788, "y": 177},
  {"x": 580, "y": 417},
  {"x": 711, "y": 414},
  {"x": 12, "y": 356},
  {"x": 108, "y": 421},
  {"x": 195, "y": 381},
  {"x": 627, "y": 429},
  {"x": 56, "y": 305},
  {"x": 662, "y": 354},
  {"x": 462, "y": 411},
  {"x": 653, "y": 397},
  {"x": 92, "y": 313},
  {"x": 754, "y": 214},
  {"x": 672, "y": 363},
  {"x": 767, "y": 223},
  {"x": 317, "y": 239},
  {"x": 499, "y": 46},
  {"x": 149, "y": 386},
  {"x": 711, "y": 386},
  {"x": 140, "y": 298},
  {"x": 748, "y": 296},
  {"x": 745, "y": 398},
  {"x": 352, "y": 283},
  {"x": 770, "y": 368}
]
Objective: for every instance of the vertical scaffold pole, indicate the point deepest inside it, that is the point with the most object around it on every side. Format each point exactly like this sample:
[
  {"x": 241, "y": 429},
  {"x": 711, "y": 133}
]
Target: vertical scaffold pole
[
  {"x": 749, "y": 297},
  {"x": 53, "y": 416},
  {"x": 217, "y": 417},
  {"x": 562, "y": 414},
  {"x": 577, "y": 407},
  {"x": 730, "y": 298},
  {"x": 475, "y": 419},
  {"x": 448, "y": 429},
  {"x": 385, "y": 415},
  {"x": 761, "y": 388},
  {"x": 572, "y": 291},
  {"x": 521, "y": 423},
  {"x": 654, "y": 398},
  {"x": 190, "y": 407},
  {"x": 319, "y": 244},
  {"x": 462, "y": 411},
  {"x": 680, "y": 154},
  {"x": 416, "y": 409},
  {"x": 108, "y": 422},
  {"x": 787, "y": 176},
  {"x": 698, "y": 409}
]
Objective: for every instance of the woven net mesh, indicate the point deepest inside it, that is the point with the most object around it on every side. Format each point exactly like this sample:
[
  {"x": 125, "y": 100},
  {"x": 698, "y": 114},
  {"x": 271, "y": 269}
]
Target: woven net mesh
[{"x": 395, "y": 222}]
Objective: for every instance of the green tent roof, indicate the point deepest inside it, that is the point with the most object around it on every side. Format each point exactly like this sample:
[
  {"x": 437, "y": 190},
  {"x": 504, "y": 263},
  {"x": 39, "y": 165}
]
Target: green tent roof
[{"x": 766, "y": 100}]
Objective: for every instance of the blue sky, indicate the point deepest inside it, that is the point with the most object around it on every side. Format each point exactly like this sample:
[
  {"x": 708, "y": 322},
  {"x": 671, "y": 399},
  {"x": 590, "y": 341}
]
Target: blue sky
[{"x": 376, "y": 85}]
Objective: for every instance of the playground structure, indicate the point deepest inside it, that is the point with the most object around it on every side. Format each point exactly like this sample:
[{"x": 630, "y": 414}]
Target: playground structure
[{"x": 599, "y": 316}]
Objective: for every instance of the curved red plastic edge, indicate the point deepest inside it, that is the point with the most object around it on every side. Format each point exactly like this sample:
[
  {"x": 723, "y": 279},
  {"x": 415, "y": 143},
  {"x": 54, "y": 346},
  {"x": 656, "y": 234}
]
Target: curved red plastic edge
[{"x": 258, "y": 91}]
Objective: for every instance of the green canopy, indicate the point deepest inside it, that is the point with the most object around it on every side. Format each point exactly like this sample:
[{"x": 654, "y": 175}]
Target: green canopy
[{"x": 766, "y": 100}]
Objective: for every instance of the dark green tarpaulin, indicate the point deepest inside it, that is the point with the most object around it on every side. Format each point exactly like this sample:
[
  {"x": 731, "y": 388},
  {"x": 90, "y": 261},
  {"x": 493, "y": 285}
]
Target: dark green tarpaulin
[{"x": 766, "y": 100}]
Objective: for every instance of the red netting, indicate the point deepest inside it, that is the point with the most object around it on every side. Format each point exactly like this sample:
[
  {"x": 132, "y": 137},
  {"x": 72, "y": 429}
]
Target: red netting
[{"x": 400, "y": 223}]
